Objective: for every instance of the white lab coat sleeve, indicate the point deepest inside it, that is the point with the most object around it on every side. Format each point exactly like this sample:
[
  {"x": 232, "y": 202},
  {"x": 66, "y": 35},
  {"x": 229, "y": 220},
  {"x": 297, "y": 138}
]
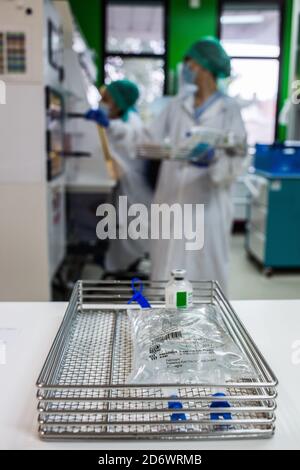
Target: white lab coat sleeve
[
  {"x": 226, "y": 168},
  {"x": 118, "y": 137},
  {"x": 159, "y": 129},
  {"x": 124, "y": 135},
  {"x": 117, "y": 129}
]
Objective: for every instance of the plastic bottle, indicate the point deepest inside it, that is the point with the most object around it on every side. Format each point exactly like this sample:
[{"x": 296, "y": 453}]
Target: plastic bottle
[{"x": 179, "y": 291}]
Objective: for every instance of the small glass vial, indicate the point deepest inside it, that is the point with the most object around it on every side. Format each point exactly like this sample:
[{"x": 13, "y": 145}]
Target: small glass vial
[{"x": 179, "y": 291}]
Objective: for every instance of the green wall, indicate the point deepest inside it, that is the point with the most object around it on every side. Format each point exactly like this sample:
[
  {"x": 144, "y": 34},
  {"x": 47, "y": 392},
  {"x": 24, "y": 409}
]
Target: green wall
[
  {"x": 284, "y": 91},
  {"x": 88, "y": 14},
  {"x": 186, "y": 25}
]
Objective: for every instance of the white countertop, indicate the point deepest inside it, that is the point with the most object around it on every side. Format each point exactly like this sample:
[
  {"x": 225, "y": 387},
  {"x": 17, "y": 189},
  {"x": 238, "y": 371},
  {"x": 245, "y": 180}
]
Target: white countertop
[
  {"x": 90, "y": 184},
  {"x": 29, "y": 329}
]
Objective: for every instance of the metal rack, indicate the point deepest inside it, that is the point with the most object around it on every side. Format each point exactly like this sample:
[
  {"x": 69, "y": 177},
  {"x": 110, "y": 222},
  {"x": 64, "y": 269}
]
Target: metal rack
[
  {"x": 165, "y": 151},
  {"x": 82, "y": 390}
]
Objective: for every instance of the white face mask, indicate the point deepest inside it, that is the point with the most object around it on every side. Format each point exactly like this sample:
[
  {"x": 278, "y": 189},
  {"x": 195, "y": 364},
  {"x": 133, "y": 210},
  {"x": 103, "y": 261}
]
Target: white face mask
[
  {"x": 104, "y": 107},
  {"x": 223, "y": 85},
  {"x": 189, "y": 76}
]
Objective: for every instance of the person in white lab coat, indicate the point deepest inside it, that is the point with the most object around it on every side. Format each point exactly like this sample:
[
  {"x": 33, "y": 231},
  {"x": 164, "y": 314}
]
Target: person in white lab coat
[
  {"x": 211, "y": 185},
  {"x": 124, "y": 130}
]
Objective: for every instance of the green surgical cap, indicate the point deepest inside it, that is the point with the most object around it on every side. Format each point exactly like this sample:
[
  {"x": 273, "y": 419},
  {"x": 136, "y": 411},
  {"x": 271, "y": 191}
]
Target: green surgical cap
[
  {"x": 209, "y": 53},
  {"x": 124, "y": 93}
]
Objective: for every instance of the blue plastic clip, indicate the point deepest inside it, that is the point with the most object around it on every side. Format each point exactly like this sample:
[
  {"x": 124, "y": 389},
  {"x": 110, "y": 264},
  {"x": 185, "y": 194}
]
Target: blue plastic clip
[
  {"x": 220, "y": 404},
  {"x": 137, "y": 294},
  {"x": 177, "y": 405}
]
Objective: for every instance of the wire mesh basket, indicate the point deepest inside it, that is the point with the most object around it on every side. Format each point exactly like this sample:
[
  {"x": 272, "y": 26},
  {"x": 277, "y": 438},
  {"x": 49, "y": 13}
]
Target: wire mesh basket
[
  {"x": 154, "y": 151},
  {"x": 82, "y": 389},
  {"x": 194, "y": 146}
]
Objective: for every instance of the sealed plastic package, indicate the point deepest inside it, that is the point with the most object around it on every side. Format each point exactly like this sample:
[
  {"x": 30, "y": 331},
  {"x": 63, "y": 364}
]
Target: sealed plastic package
[{"x": 191, "y": 345}]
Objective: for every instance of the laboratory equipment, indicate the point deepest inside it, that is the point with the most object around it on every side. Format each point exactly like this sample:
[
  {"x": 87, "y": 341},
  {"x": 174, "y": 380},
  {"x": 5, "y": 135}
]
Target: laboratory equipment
[
  {"x": 241, "y": 200},
  {"x": 89, "y": 179},
  {"x": 279, "y": 159},
  {"x": 41, "y": 143},
  {"x": 33, "y": 202},
  {"x": 274, "y": 213},
  {"x": 54, "y": 133},
  {"x": 84, "y": 176},
  {"x": 82, "y": 390}
]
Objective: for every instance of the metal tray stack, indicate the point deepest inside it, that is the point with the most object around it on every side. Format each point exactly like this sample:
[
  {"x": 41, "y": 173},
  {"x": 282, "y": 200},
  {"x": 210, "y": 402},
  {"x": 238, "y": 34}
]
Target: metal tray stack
[
  {"x": 154, "y": 151},
  {"x": 184, "y": 151},
  {"x": 82, "y": 390}
]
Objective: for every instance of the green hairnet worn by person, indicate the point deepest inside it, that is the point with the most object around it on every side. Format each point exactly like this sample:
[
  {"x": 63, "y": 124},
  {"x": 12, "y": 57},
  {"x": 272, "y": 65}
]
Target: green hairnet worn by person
[
  {"x": 118, "y": 99},
  {"x": 209, "y": 54},
  {"x": 124, "y": 129},
  {"x": 210, "y": 183}
]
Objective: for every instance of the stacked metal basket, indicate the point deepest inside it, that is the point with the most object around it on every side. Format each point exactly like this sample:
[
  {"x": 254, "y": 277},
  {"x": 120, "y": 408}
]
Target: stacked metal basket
[
  {"x": 82, "y": 389},
  {"x": 188, "y": 149}
]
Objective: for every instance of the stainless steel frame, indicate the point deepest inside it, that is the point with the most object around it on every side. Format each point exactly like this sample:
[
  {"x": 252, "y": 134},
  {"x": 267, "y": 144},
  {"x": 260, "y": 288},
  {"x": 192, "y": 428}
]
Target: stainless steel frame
[{"x": 82, "y": 390}]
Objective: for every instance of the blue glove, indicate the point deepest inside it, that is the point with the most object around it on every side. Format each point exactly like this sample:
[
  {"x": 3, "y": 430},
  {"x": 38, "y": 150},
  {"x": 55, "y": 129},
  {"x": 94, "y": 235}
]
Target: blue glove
[
  {"x": 202, "y": 155},
  {"x": 98, "y": 116}
]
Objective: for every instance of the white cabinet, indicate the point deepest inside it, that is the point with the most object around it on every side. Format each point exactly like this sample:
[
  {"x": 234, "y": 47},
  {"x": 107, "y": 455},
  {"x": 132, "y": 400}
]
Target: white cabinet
[
  {"x": 257, "y": 221},
  {"x": 240, "y": 200},
  {"x": 31, "y": 231}
]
